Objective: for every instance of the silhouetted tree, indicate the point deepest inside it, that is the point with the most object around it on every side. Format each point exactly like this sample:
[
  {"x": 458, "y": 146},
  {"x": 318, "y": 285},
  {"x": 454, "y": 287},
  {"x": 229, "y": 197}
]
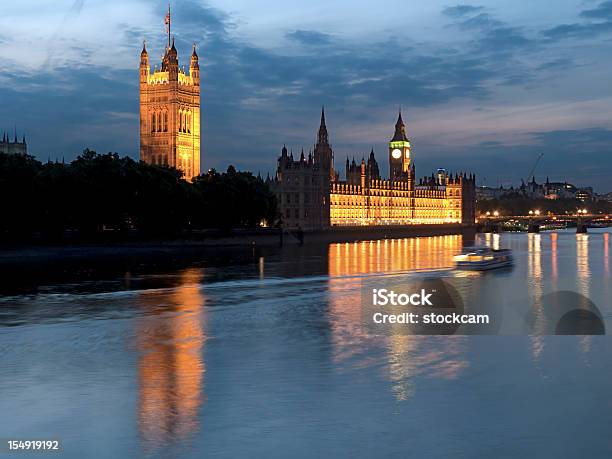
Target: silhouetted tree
[
  {"x": 99, "y": 192},
  {"x": 234, "y": 199}
]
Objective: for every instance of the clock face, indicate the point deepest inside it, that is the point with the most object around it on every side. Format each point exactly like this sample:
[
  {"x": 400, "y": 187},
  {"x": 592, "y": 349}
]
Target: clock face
[{"x": 397, "y": 154}]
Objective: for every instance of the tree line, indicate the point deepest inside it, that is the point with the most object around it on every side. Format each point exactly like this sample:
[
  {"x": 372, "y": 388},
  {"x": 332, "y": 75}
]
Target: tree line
[{"x": 102, "y": 193}]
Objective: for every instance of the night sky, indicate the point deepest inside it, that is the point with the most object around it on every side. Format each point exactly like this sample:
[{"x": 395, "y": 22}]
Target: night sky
[{"x": 484, "y": 87}]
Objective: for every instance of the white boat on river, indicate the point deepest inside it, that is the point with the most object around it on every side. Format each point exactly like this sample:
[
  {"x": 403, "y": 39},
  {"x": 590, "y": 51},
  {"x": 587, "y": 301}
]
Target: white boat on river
[{"x": 483, "y": 258}]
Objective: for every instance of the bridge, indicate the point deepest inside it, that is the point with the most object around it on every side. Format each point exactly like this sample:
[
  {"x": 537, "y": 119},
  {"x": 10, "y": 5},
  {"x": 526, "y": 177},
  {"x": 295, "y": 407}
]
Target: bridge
[{"x": 532, "y": 223}]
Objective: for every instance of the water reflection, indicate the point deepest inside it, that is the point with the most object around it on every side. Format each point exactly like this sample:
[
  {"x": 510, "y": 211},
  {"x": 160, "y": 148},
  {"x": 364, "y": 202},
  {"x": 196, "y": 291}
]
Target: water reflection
[
  {"x": 407, "y": 356},
  {"x": 554, "y": 262},
  {"x": 534, "y": 282},
  {"x": 582, "y": 264},
  {"x": 492, "y": 240},
  {"x": 170, "y": 366},
  {"x": 606, "y": 236},
  {"x": 393, "y": 255}
]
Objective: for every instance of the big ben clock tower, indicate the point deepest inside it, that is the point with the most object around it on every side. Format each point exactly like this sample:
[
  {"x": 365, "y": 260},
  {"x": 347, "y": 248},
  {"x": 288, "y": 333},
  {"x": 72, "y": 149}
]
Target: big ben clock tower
[{"x": 399, "y": 152}]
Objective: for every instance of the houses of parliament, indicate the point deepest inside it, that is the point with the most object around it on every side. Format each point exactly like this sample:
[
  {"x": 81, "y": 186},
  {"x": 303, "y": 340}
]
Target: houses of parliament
[
  {"x": 170, "y": 111},
  {"x": 309, "y": 191},
  {"x": 311, "y": 195}
]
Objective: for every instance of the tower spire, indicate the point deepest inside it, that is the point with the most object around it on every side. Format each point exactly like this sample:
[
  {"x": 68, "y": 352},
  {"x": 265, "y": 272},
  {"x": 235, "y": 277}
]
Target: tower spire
[
  {"x": 323, "y": 137},
  {"x": 167, "y": 22},
  {"x": 400, "y": 129}
]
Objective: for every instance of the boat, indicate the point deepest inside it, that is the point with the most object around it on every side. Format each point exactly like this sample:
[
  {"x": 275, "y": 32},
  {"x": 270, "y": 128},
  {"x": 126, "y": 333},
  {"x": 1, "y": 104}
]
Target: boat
[{"x": 483, "y": 258}]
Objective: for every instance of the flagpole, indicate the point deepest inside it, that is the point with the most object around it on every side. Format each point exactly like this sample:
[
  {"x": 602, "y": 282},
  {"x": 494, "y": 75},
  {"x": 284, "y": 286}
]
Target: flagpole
[{"x": 169, "y": 25}]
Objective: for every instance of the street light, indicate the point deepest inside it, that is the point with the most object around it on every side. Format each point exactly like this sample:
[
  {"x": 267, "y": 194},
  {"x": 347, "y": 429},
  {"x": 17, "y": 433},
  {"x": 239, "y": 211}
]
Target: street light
[
  {"x": 496, "y": 213},
  {"x": 537, "y": 212},
  {"x": 531, "y": 212}
]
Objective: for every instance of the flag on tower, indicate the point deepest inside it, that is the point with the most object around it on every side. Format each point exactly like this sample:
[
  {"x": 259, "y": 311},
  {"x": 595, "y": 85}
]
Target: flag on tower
[
  {"x": 167, "y": 23},
  {"x": 167, "y": 20}
]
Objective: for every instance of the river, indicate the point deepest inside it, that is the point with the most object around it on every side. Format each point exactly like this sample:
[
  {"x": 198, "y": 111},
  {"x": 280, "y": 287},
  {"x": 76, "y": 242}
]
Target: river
[{"x": 262, "y": 354}]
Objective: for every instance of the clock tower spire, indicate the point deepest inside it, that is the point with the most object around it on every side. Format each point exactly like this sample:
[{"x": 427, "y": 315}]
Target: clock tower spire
[{"x": 399, "y": 151}]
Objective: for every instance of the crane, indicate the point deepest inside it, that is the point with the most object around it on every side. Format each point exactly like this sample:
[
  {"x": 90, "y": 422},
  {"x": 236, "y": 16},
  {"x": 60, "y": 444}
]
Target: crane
[{"x": 534, "y": 167}]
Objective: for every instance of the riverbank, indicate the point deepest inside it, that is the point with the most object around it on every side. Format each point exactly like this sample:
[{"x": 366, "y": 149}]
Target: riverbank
[{"x": 201, "y": 244}]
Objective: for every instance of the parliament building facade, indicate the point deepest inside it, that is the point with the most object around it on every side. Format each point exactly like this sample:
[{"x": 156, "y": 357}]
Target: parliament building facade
[{"x": 311, "y": 195}]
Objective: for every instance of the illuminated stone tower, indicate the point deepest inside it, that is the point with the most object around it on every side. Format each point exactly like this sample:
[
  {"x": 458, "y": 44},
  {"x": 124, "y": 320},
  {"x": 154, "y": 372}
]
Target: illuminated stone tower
[
  {"x": 399, "y": 152},
  {"x": 170, "y": 111},
  {"x": 323, "y": 153}
]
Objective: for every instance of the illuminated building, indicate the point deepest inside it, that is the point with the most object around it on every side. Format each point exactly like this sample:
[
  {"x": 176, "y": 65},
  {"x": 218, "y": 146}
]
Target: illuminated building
[
  {"x": 170, "y": 111},
  {"x": 311, "y": 195},
  {"x": 15, "y": 147}
]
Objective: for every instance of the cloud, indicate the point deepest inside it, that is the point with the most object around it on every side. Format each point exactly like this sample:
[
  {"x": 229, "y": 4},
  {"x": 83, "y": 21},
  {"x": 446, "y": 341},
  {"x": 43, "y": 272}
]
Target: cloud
[
  {"x": 458, "y": 11},
  {"x": 254, "y": 99},
  {"x": 597, "y": 21},
  {"x": 53, "y": 43},
  {"x": 561, "y": 63},
  {"x": 492, "y": 34},
  {"x": 577, "y": 30},
  {"x": 573, "y": 155},
  {"x": 602, "y": 11},
  {"x": 482, "y": 21},
  {"x": 309, "y": 37}
]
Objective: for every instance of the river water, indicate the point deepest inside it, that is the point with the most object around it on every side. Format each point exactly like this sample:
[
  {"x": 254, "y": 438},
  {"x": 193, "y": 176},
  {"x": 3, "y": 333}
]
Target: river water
[{"x": 262, "y": 354}]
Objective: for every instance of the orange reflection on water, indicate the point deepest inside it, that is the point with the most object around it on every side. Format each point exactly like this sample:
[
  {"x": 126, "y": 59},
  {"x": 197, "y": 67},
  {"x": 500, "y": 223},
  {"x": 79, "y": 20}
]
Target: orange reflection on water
[
  {"x": 582, "y": 264},
  {"x": 408, "y": 356},
  {"x": 554, "y": 270},
  {"x": 535, "y": 285},
  {"x": 393, "y": 255},
  {"x": 170, "y": 367}
]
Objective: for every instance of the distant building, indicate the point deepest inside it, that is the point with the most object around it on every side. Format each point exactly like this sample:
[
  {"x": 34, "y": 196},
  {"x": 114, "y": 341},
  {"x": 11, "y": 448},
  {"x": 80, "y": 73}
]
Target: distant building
[
  {"x": 606, "y": 197},
  {"x": 14, "y": 147},
  {"x": 584, "y": 194},
  {"x": 311, "y": 195},
  {"x": 535, "y": 190},
  {"x": 559, "y": 190},
  {"x": 484, "y": 193},
  {"x": 170, "y": 111}
]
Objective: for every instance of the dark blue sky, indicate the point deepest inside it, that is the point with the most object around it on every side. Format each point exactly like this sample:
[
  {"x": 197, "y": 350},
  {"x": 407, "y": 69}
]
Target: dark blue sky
[{"x": 483, "y": 86}]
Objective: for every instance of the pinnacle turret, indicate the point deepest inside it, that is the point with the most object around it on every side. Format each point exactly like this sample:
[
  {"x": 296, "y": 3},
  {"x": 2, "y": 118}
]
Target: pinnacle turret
[
  {"x": 400, "y": 130},
  {"x": 323, "y": 138}
]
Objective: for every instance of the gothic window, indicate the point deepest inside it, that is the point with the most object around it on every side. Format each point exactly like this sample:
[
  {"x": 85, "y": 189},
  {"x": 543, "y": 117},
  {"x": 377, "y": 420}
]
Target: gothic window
[
  {"x": 180, "y": 121},
  {"x": 159, "y": 122},
  {"x": 152, "y": 122},
  {"x": 189, "y": 122},
  {"x": 165, "y": 121}
]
